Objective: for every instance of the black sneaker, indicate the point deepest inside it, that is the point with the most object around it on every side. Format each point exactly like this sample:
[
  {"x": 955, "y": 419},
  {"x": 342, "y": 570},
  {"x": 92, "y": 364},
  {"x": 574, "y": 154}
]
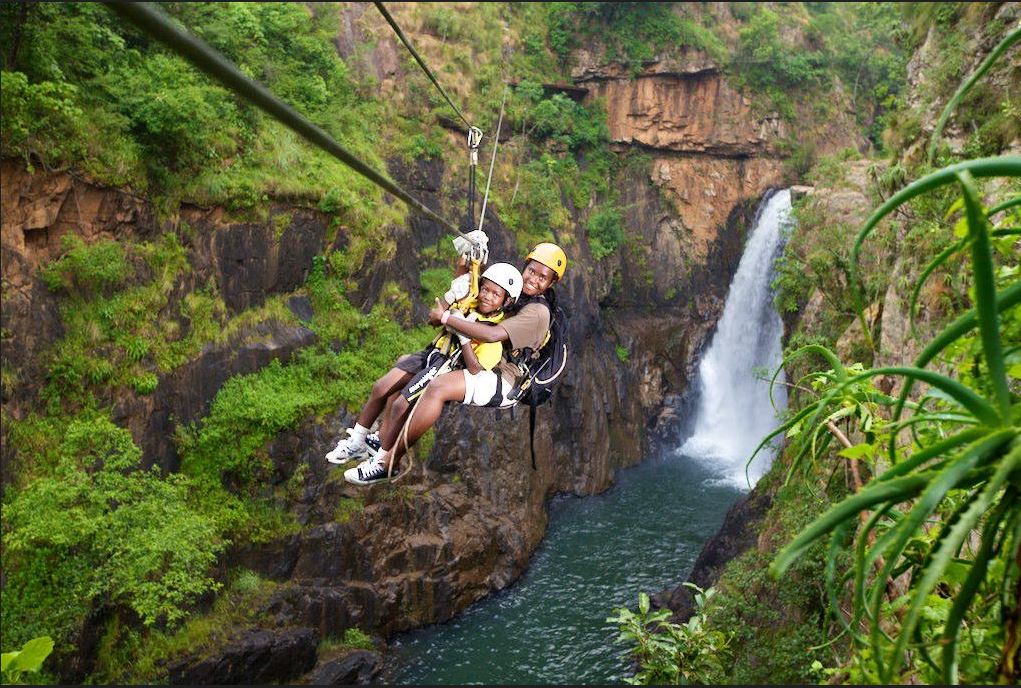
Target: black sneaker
[
  {"x": 368, "y": 472},
  {"x": 373, "y": 441}
]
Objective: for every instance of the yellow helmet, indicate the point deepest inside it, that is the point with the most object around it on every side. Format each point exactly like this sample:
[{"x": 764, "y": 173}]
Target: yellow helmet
[{"x": 550, "y": 255}]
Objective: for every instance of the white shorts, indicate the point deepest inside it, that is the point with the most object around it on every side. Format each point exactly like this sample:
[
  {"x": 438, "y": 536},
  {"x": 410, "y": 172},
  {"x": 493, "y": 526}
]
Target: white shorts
[{"x": 481, "y": 388}]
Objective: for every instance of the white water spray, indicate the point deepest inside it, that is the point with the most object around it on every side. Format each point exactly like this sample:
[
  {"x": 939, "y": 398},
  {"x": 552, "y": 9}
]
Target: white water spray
[{"x": 734, "y": 412}]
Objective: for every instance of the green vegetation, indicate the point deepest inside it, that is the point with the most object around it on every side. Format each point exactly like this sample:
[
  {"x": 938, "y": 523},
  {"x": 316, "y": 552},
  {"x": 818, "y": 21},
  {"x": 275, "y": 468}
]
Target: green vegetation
[
  {"x": 99, "y": 529},
  {"x": 347, "y": 508},
  {"x": 920, "y": 560},
  {"x": 632, "y": 32},
  {"x": 352, "y": 639},
  {"x": 1007, "y": 134},
  {"x": 434, "y": 282},
  {"x": 356, "y": 638},
  {"x": 606, "y": 231},
  {"x": 956, "y": 474},
  {"x": 862, "y": 44},
  {"x": 87, "y": 269},
  {"x": 28, "y": 660},
  {"x": 131, "y": 655},
  {"x": 669, "y": 653},
  {"x": 768, "y": 65},
  {"x": 111, "y": 336},
  {"x": 571, "y": 168},
  {"x": 82, "y": 89}
]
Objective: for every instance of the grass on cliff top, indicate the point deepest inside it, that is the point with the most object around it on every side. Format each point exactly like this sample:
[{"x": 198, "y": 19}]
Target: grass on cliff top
[
  {"x": 165, "y": 129},
  {"x": 633, "y": 33}
]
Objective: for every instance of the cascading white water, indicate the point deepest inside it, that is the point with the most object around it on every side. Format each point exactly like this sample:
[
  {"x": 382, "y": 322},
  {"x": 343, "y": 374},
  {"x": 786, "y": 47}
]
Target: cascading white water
[{"x": 734, "y": 412}]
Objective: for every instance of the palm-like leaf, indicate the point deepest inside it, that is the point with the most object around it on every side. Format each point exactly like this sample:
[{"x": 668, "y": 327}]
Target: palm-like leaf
[{"x": 965, "y": 444}]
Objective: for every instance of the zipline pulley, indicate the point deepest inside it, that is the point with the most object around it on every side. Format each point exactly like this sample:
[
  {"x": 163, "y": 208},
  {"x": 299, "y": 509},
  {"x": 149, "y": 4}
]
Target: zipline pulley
[{"x": 474, "y": 141}]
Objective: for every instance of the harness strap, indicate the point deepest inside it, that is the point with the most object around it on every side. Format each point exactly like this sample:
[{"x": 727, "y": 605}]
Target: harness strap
[
  {"x": 531, "y": 430},
  {"x": 497, "y": 399}
]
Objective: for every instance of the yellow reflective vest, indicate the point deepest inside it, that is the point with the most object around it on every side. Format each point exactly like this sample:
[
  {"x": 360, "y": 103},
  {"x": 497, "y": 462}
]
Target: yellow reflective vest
[{"x": 488, "y": 353}]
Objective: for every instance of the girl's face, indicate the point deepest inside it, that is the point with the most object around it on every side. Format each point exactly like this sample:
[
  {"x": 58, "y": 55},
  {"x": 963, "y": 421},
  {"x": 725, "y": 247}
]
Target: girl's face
[
  {"x": 537, "y": 278},
  {"x": 491, "y": 297}
]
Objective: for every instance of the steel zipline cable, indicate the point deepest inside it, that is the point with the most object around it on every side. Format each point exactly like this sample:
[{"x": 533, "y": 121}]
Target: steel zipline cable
[
  {"x": 200, "y": 54},
  {"x": 421, "y": 63}
]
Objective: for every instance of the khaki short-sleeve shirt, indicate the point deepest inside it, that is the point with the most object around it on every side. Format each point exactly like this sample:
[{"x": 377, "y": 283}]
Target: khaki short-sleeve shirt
[{"x": 526, "y": 330}]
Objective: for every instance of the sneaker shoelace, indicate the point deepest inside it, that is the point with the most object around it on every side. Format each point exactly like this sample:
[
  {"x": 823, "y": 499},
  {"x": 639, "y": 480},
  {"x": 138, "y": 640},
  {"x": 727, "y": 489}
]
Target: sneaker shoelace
[{"x": 371, "y": 468}]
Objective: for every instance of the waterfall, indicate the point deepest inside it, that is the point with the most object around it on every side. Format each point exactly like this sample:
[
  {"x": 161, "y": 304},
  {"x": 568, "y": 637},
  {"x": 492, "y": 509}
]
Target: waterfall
[{"x": 734, "y": 412}]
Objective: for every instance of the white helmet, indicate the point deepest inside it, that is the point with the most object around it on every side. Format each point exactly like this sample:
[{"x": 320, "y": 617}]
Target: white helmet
[{"x": 507, "y": 276}]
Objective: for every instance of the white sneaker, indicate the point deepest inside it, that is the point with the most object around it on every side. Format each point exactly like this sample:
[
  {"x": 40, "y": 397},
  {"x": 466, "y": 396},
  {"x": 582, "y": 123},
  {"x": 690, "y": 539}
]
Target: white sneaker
[
  {"x": 349, "y": 449},
  {"x": 372, "y": 470}
]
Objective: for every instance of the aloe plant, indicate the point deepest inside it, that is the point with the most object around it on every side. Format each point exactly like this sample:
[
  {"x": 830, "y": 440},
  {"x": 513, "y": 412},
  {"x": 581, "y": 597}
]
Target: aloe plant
[{"x": 944, "y": 507}]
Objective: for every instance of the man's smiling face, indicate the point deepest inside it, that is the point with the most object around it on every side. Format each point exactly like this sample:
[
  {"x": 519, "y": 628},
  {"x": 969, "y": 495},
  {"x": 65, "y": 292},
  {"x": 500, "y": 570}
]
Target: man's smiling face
[{"x": 537, "y": 278}]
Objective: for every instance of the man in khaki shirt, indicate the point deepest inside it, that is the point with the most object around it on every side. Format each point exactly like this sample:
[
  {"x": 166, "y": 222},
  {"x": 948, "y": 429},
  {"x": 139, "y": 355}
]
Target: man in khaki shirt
[{"x": 526, "y": 329}]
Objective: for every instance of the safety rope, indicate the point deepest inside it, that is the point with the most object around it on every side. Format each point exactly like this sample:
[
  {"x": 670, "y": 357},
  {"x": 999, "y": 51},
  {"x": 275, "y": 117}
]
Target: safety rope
[
  {"x": 492, "y": 161},
  {"x": 153, "y": 22},
  {"x": 402, "y": 436},
  {"x": 421, "y": 62}
]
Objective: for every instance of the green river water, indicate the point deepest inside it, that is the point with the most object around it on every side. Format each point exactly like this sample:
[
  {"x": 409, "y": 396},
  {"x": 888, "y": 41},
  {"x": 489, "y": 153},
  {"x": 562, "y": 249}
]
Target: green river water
[{"x": 643, "y": 534}]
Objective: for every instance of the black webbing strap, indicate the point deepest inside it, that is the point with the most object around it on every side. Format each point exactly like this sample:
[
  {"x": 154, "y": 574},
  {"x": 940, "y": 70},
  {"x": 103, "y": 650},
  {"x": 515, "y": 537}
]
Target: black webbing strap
[
  {"x": 469, "y": 220},
  {"x": 531, "y": 430}
]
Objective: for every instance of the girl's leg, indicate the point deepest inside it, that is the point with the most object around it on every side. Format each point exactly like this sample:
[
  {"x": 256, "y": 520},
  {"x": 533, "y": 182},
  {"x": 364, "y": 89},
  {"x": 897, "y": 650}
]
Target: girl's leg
[{"x": 383, "y": 388}]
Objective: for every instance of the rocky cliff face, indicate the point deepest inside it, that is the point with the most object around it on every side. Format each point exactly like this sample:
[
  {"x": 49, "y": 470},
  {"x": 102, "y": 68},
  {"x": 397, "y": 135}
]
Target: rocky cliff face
[{"x": 709, "y": 150}]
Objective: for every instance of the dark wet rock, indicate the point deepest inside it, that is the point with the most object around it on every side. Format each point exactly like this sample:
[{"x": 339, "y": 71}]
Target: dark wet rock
[
  {"x": 29, "y": 322},
  {"x": 738, "y": 534},
  {"x": 324, "y": 607},
  {"x": 356, "y": 668},
  {"x": 253, "y": 261},
  {"x": 274, "y": 560},
  {"x": 255, "y": 656},
  {"x": 422, "y": 178},
  {"x": 301, "y": 306}
]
